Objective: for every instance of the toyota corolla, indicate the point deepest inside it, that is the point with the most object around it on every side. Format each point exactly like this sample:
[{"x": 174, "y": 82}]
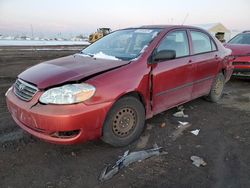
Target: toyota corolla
[{"x": 108, "y": 89}]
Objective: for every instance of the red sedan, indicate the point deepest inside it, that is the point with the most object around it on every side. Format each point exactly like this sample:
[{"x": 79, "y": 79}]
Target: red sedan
[
  {"x": 240, "y": 46},
  {"x": 108, "y": 89}
]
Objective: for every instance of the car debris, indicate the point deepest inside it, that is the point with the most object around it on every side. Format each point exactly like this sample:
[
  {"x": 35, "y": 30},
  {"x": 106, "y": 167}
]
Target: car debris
[
  {"x": 180, "y": 108},
  {"x": 195, "y": 132},
  {"x": 180, "y": 129},
  {"x": 180, "y": 114},
  {"x": 182, "y": 123},
  {"x": 198, "y": 161},
  {"x": 142, "y": 142},
  {"x": 127, "y": 159}
]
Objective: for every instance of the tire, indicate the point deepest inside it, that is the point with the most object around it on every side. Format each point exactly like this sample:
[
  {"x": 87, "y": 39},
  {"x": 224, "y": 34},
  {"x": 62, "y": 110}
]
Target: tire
[
  {"x": 217, "y": 88},
  {"x": 124, "y": 122}
]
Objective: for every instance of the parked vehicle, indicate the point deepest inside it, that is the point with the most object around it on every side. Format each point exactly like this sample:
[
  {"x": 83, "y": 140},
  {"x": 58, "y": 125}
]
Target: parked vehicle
[
  {"x": 110, "y": 88},
  {"x": 240, "y": 46}
]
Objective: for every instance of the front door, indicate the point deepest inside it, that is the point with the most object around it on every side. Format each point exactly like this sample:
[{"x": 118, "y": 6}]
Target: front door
[{"x": 172, "y": 80}]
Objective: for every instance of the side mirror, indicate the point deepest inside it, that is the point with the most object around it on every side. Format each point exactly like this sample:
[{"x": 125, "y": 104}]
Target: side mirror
[{"x": 164, "y": 55}]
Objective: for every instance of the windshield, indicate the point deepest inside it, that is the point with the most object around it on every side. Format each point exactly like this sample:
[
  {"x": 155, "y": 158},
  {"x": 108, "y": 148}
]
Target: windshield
[
  {"x": 243, "y": 38},
  {"x": 125, "y": 44}
]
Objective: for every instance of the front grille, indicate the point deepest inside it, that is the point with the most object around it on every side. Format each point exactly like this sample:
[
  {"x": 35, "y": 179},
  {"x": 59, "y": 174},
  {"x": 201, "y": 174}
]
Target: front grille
[
  {"x": 24, "y": 90},
  {"x": 241, "y": 63}
]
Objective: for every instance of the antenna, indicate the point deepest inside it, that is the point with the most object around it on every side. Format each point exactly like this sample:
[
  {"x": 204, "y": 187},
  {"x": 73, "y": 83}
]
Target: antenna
[{"x": 185, "y": 19}]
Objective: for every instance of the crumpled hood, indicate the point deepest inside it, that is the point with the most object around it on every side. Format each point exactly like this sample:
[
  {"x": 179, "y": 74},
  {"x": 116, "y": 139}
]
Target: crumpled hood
[
  {"x": 239, "y": 49},
  {"x": 66, "y": 69}
]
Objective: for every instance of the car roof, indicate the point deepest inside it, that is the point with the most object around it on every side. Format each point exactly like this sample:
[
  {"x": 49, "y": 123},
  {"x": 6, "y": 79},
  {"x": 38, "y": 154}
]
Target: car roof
[
  {"x": 247, "y": 31},
  {"x": 167, "y": 27}
]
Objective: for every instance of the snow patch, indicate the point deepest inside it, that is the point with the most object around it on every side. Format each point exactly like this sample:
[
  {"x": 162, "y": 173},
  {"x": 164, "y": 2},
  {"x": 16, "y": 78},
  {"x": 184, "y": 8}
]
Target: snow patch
[
  {"x": 102, "y": 55},
  {"x": 145, "y": 31}
]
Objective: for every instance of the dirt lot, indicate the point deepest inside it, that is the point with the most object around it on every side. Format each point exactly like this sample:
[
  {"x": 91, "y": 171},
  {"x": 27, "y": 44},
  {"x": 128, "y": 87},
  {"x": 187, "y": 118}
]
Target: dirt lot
[{"x": 223, "y": 143}]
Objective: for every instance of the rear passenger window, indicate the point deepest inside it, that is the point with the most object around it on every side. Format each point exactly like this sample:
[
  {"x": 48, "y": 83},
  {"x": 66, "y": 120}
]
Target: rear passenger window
[
  {"x": 177, "y": 41},
  {"x": 201, "y": 42}
]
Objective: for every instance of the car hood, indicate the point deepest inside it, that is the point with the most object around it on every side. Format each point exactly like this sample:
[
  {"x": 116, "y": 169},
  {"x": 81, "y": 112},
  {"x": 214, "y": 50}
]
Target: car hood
[
  {"x": 239, "y": 49},
  {"x": 71, "y": 68}
]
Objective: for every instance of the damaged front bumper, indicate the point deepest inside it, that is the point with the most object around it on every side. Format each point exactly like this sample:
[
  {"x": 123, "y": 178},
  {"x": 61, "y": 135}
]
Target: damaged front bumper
[
  {"x": 242, "y": 66},
  {"x": 59, "y": 124}
]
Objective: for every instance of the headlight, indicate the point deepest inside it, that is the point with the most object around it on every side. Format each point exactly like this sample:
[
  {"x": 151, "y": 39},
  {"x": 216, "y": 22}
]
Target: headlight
[
  {"x": 68, "y": 94},
  {"x": 8, "y": 91}
]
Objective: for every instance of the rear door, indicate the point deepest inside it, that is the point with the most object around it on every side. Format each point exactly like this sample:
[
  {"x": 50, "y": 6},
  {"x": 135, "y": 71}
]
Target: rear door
[
  {"x": 206, "y": 60},
  {"x": 171, "y": 79}
]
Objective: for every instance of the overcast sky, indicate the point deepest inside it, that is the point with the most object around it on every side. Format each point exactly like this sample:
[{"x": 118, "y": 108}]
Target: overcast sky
[{"x": 49, "y": 17}]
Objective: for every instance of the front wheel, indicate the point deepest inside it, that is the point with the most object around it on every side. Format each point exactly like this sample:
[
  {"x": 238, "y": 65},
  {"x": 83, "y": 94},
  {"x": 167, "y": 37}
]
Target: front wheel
[
  {"x": 124, "y": 123},
  {"x": 217, "y": 88}
]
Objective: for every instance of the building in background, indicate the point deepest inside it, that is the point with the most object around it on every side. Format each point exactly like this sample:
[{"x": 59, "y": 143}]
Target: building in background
[{"x": 218, "y": 30}]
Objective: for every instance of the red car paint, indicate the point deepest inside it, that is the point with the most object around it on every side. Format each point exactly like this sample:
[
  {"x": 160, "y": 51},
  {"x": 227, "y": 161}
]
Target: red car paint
[
  {"x": 160, "y": 86},
  {"x": 239, "y": 49},
  {"x": 67, "y": 69},
  {"x": 241, "y": 53},
  {"x": 241, "y": 61}
]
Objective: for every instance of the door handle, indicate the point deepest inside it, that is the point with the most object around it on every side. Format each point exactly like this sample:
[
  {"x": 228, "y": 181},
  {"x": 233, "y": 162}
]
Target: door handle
[
  {"x": 190, "y": 63},
  {"x": 216, "y": 57}
]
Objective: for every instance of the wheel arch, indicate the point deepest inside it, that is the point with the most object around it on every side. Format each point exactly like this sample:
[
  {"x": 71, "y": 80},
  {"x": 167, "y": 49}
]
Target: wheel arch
[
  {"x": 106, "y": 133},
  {"x": 135, "y": 94}
]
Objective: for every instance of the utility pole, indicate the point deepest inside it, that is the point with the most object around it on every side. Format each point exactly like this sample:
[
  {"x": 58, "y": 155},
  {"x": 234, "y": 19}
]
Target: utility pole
[
  {"x": 32, "y": 34},
  {"x": 32, "y": 31}
]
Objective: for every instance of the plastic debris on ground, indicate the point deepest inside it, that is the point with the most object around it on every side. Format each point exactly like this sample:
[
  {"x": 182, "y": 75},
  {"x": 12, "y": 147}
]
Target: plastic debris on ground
[
  {"x": 195, "y": 132},
  {"x": 127, "y": 159},
  {"x": 180, "y": 129},
  {"x": 143, "y": 141},
  {"x": 183, "y": 123},
  {"x": 198, "y": 161},
  {"x": 180, "y": 113},
  {"x": 181, "y": 108}
]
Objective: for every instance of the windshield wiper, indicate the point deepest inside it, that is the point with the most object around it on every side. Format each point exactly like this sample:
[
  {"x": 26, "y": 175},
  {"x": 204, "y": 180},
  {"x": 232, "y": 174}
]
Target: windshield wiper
[{"x": 90, "y": 55}]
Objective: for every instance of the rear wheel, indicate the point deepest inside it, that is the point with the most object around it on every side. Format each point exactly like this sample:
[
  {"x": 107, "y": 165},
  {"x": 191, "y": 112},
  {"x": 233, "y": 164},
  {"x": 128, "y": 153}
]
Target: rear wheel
[
  {"x": 124, "y": 123},
  {"x": 217, "y": 88}
]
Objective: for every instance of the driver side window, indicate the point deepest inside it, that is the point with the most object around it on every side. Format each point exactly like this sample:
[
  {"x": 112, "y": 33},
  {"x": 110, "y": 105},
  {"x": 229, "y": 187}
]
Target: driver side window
[{"x": 177, "y": 41}]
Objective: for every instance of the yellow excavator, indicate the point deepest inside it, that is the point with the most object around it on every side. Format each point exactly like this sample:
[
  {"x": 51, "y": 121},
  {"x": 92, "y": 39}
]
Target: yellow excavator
[{"x": 101, "y": 32}]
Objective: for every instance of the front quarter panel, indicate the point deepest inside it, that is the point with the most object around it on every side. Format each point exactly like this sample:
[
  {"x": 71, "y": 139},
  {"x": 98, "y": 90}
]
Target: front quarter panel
[{"x": 110, "y": 86}]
